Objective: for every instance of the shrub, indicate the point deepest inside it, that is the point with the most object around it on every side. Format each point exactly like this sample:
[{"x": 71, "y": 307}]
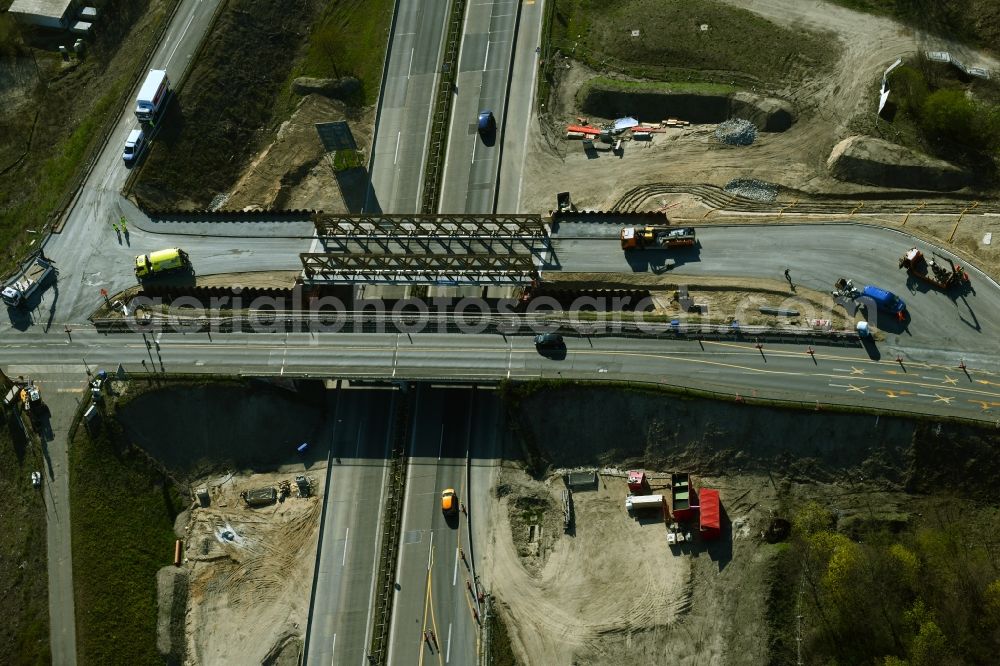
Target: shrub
[
  {"x": 909, "y": 87},
  {"x": 952, "y": 115}
]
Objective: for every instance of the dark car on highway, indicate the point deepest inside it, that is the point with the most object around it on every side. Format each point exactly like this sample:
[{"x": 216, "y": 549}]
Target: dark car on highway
[
  {"x": 549, "y": 341},
  {"x": 487, "y": 124}
]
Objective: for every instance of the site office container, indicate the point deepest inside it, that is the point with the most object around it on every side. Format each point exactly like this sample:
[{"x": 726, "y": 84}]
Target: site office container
[
  {"x": 635, "y": 504},
  {"x": 683, "y": 503}
]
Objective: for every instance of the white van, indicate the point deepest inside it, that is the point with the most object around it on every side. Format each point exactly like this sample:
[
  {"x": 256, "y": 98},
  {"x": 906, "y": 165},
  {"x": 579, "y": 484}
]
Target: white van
[{"x": 134, "y": 145}]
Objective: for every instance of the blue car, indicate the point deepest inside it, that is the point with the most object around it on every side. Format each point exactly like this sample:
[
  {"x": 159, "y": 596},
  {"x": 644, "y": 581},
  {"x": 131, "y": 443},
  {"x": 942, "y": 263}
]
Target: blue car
[
  {"x": 487, "y": 123},
  {"x": 885, "y": 300}
]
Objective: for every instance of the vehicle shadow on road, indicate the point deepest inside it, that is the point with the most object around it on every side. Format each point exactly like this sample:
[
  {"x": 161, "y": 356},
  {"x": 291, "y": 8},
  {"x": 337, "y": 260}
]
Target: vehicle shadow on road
[
  {"x": 974, "y": 324},
  {"x": 657, "y": 261},
  {"x": 52, "y": 306},
  {"x": 871, "y": 348}
]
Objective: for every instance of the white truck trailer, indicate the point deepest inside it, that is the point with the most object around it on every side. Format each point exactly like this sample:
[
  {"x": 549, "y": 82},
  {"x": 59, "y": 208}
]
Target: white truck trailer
[
  {"x": 17, "y": 293},
  {"x": 153, "y": 96},
  {"x": 645, "y": 503}
]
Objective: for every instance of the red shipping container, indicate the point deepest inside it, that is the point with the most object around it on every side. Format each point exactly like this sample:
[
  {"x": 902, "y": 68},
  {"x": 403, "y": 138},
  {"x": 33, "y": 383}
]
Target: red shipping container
[{"x": 711, "y": 514}]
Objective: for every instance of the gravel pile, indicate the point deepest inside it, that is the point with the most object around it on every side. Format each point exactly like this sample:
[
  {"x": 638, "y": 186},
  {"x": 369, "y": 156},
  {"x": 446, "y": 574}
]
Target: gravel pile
[
  {"x": 750, "y": 188},
  {"x": 736, "y": 132}
]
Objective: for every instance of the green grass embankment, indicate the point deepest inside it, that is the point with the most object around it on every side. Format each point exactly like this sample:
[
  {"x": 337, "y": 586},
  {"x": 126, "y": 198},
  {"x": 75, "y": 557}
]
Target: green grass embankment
[
  {"x": 681, "y": 41},
  {"x": 122, "y": 520},
  {"x": 24, "y": 632}
]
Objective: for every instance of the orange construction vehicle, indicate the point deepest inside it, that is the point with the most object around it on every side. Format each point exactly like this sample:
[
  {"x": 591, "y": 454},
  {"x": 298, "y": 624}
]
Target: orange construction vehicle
[
  {"x": 932, "y": 272},
  {"x": 660, "y": 238}
]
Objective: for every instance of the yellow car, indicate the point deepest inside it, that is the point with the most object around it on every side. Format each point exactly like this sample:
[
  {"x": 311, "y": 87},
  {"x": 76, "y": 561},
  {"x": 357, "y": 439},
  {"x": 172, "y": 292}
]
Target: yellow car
[{"x": 449, "y": 501}]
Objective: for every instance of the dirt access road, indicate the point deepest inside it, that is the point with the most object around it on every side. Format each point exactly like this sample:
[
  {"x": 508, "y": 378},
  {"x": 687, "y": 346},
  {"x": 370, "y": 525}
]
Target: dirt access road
[{"x": 796, "y": 158}]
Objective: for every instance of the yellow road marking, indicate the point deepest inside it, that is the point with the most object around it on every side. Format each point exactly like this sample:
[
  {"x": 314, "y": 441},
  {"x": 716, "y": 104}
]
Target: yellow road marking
[
  {"x": 950, "y": 380},
  {"x": 764, "y": 371},
  {"x": 427, "y": 601},
  {"x": 856, "y": 389},
  {"x": 680, "y": 355},
  {"x": 434, "y": 627},
  {"x": 945, "y": 399}
]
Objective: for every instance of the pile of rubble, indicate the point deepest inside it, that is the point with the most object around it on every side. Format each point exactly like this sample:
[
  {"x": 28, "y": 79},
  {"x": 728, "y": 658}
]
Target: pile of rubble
[
  {"x": 753, "y": 189},
  {"x": 736, "y": 132}
]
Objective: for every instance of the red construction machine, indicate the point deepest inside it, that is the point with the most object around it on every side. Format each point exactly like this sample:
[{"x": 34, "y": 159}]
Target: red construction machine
[{"x": 932, "y": 272}]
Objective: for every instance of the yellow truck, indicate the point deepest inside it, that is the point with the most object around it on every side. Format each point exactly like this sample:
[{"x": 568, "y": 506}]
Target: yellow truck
[{"x": 162, "y": 261}]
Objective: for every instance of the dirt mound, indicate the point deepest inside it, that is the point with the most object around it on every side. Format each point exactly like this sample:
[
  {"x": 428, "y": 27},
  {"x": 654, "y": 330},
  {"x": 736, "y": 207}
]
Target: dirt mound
[
  {"x": 171, "y": 586},
  {"x": 296, "y": 156},
  {"x": 345, "y": 88},
  {"x": 604, "y": 101},
  {"x": 767, "y": 113},
  {"x": 870, "y": 161}
]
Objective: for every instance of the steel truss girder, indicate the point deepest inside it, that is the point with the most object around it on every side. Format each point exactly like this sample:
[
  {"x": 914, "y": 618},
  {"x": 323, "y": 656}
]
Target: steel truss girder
[
  {"x": 458, "y": 225},
  {"x": 485, "y": 267}
]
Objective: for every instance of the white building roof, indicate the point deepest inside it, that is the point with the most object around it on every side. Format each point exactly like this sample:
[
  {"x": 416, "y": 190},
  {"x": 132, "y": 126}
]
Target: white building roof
[{"x": 52, "y": 8}]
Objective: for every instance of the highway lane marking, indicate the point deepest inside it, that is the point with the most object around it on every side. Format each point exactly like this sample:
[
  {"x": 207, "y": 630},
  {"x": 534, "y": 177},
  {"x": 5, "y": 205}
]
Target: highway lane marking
[
  {"x": 395, "y": 157},
  {"x": 357, "y": 443},
  {"x": 423, "y": 624},
  {"x": 487, "y": 57},
  {"x": 447, "y": 657},
  {"x": 434, "y": 628},
  {"x": 333, "y": 647},
  {"x": 454, "y": 574},
  {"x": 180, "y": 37},
  {"x": 661, "y": 355},
  {"x": 409, "y": 70},
  {"x": 831, "y": 357},
  {"x": 891, "y": 393},
  {"x": 850, "y": 388},
  {"x": 347, "y": 535},
  {"x": 430, "y": 552},
  {"x": 764, "y": 371}
]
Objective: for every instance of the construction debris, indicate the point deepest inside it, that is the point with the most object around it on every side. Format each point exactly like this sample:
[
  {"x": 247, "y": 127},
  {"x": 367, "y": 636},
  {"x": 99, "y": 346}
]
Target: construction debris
[
  {"x": 303, "y": 484},
  {"x": 567, "y": 499},
  {"x": 581, "y": 480},
  {"x": 753, "y": 189},
  {"x": 260, "y": 496},
  {"x": 736, "y": 132}
]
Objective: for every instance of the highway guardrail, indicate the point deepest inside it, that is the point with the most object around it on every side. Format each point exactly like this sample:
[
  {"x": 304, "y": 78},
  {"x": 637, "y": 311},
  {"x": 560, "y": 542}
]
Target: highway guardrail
[{"x": 438, "y": 143}]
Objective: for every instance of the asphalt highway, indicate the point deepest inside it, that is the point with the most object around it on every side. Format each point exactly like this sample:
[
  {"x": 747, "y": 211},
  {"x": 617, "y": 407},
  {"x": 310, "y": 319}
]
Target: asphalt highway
[
  {"x": 834, "y": 375},
  {"x": 940, "y": 324},
  {"x": 816, "y": 255},
  {"x": 343, "y": 603},
  {"x": 435, "y": 610},
  {"x": 470, "y": 171},
  {"x": 400, "y": 146},
  {"x": 520, "y": 107}
]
